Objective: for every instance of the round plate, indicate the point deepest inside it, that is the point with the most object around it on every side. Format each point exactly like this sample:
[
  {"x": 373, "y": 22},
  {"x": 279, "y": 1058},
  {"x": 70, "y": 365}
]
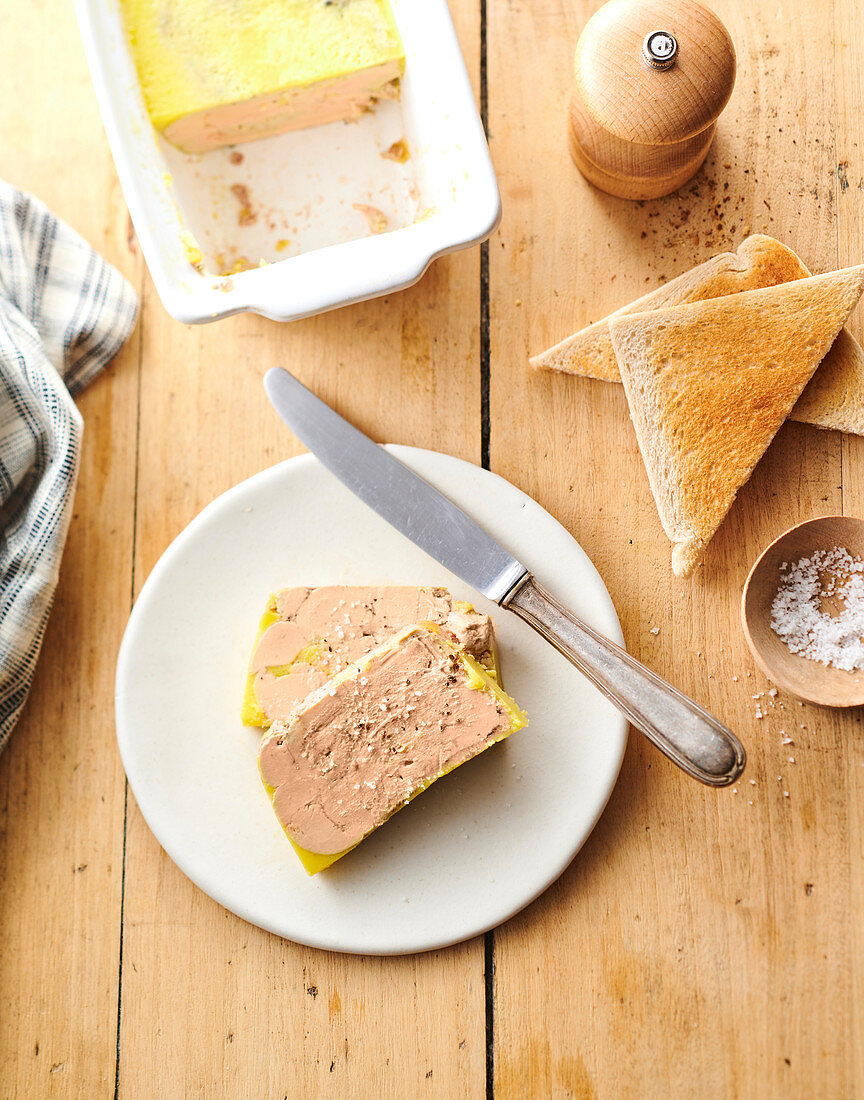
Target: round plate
[{"x": 475, "y": 848}]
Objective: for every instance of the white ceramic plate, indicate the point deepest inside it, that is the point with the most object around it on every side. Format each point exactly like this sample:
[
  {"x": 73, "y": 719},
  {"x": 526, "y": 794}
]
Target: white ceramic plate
[
  {"x": 472, "y": 850},
  {"x": 302, "y": 186}
]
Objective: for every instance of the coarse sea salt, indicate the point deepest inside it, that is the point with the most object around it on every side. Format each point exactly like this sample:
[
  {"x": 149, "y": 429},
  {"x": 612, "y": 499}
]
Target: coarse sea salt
[{"x": 798, "y": 618}]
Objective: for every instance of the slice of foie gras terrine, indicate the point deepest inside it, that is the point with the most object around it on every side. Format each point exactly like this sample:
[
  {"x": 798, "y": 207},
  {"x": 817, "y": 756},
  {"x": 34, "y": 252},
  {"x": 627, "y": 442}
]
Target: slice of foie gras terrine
[
  {"x": 307, "y": 635},
  {"x": 377, "y": 735}
]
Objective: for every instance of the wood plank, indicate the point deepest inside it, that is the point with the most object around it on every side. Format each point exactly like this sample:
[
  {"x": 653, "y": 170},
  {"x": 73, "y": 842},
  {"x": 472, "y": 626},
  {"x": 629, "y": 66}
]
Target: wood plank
[
  {"x": 704, "y": 942},
  {"x": 61, "y": 782},
  {"x": 849, "y": 156},
  {"x": 210, "y": 1004}
]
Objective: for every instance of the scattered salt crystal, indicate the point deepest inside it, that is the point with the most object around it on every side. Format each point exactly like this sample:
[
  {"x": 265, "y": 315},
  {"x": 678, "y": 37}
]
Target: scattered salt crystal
[
  {"x": 735, "y": 679},
  {"x": 791, "y": 759},
  {"x": 773, "y": 693},
  {"x": 752, "y": 782},
  {"x": 785, "y": 794},
  {"x": 749, "y": 801},
  {"x": 787, "y": 741},
  {"x": 655, "y": 630},
  {"x": 734, "y": 790}
]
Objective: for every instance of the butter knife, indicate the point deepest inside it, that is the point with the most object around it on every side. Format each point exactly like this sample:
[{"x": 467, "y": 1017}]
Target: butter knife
[{"x": 679, "y": 727}]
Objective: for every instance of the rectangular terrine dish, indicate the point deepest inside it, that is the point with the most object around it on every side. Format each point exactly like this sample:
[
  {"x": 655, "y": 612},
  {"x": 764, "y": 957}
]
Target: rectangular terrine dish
[{"x": 299, "y": 223}]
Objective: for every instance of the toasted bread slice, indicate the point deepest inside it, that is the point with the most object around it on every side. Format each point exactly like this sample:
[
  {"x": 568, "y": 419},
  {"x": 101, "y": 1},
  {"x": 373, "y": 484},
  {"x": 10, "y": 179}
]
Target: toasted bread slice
[
  {"x": 709, "y": 384},
  {"x": 834, "y": 398}
]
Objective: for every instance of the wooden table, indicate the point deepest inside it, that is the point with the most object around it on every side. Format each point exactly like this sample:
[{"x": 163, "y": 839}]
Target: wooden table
[{"x": 703, "y": 943}]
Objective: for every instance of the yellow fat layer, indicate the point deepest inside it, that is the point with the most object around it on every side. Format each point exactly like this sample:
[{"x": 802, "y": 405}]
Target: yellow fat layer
[
  {"x": 308, "y": 655},
  {"x": 251, "y": 711},
  {"x": 481, "y": 679}
]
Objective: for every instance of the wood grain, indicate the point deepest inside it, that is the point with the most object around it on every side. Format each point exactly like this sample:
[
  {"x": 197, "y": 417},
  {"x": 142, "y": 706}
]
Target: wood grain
[{"x": 701, "y": 942}]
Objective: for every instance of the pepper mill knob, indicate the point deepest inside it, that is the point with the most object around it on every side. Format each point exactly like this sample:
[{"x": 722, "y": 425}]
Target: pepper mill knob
[{"x": 651, "y": 78}]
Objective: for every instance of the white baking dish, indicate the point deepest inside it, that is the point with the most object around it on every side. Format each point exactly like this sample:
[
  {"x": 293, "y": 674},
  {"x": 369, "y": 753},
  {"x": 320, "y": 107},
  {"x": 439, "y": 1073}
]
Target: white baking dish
[{"x": 298, "y": 207}]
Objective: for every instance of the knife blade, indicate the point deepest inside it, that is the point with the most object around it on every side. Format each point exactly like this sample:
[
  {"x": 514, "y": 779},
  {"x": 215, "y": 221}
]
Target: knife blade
[
  {"x": 690, "y": 736},
  {"x": 396, "y": 493}
]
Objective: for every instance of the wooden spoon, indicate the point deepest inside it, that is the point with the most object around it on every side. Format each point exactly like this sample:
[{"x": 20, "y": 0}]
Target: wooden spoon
[{"x": 800, "y": 676}]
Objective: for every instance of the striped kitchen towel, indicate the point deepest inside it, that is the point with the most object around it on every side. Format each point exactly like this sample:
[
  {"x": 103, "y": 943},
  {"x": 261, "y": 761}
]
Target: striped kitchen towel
[{"x": 64, "y": 313}]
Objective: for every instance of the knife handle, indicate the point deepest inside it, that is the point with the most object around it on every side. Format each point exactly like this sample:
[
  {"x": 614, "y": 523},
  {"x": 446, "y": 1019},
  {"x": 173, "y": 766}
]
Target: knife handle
[{"x": 680, "y": 728}]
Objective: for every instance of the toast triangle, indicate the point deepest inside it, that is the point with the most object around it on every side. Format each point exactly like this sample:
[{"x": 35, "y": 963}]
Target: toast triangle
[
  {"x": 833, "y": 399},
  {"x": 759, "y": 261},
  {"x": 709, "y": 383}
]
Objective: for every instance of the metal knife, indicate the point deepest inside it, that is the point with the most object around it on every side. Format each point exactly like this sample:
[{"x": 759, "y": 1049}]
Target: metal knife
[{"x": 680, "y": 728}]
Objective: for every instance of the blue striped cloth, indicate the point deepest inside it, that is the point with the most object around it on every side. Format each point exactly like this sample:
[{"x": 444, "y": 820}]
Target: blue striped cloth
[{"x": 64, "y": 313}]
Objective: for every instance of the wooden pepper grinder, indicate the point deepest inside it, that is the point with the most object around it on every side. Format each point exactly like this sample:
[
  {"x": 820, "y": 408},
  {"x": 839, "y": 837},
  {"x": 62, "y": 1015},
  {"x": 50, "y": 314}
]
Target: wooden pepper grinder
[{"x": 651, "y": 77}]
